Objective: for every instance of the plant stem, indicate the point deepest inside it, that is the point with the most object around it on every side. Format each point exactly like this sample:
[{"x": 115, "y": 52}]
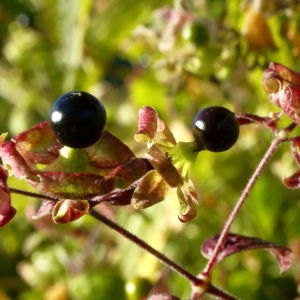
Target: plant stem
[
  {"x": 142, "y": 244},
  {"x": 31, "y": 194},
  {"x": 196, "y": 281},
  {"x": 244, "y": 195}
]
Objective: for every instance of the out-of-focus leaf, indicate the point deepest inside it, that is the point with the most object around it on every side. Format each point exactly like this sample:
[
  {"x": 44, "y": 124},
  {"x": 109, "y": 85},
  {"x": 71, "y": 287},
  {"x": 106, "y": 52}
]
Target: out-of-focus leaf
[
  {"x": 293, "y": 181},
  {"x": 160, "y": 291},
  {"x": 100, "y": 284},
  {"x": 257, "y": 32}
]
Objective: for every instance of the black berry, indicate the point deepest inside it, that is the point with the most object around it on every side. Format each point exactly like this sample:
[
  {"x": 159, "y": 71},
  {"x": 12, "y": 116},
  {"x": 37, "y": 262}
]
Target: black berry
[
  {"x": 78, "y": 119},
  {"x": 215, "y": 128},
  {"x": 197, "y": 33}
]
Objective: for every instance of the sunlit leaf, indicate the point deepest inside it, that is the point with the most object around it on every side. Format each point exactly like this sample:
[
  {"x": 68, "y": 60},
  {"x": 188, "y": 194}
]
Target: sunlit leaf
[{"x": 150, "y": 190}]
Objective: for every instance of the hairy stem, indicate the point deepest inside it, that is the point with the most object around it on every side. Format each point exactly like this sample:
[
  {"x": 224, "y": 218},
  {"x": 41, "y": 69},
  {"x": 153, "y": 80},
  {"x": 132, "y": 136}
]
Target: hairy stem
[
  {"x": 244, "y": 195},
  {"x": 31, "y": 194}
]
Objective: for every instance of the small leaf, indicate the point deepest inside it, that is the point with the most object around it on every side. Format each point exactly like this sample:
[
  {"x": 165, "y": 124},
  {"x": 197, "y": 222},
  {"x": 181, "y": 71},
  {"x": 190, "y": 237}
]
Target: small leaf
[
  {"x": 282, "y": 85},
  {"x": 161, "y": 162},
  {"x": 160, "y": 291},
  {"x": 38, "y": 144},
  {"x": 236, "y": 243},
  {"x": 164, "y": 136},
  {"x": 257, "y": 32},
  {"x": 45, "y": 210},
  {"x": 286, "y": 73},
  {"x": 6, "y": 210},
  {"x": 130, "y": 171},
  {"x": 13, "y": 162},
  {"x": 147, "y": 124},
  {"x": 116, "y": 197},
  {"x": 3, "y": 137},
  {"x": 151, "y": 129},
  {"x": 151, "y": 190},
  {"x": 188, "y": 201},
  {"x": 66, "y": 211},
  {"x": 293, "y": 182},
  {"x": 295, "y": 149}
]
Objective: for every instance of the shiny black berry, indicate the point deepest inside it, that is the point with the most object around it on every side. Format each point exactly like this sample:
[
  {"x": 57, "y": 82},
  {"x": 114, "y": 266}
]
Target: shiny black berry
[
  {"x": 215, "y": 128},
  {"x": 78, "y": 119}
]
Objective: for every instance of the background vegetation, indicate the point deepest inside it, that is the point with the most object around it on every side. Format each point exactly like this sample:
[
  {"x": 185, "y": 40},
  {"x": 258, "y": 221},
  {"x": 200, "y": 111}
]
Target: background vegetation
[{"x": 129, "y": 54}]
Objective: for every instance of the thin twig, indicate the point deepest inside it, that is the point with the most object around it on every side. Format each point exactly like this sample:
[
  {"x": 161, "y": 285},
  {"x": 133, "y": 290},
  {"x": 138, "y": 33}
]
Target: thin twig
[{"x": 31, "y": 194}]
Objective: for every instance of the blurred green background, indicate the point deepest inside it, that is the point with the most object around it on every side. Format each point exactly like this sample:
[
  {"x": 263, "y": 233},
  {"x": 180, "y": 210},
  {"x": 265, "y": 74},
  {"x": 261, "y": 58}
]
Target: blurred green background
[{"x": 134, "y": 53}]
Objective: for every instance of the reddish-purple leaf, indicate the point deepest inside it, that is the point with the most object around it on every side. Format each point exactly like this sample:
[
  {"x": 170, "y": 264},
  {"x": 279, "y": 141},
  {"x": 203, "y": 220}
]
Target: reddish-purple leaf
[
  {"x": 188, "y": 200},
  {"x": 152, "y": 129},
  {"x": 151, "y": 189},
  {"x": 13, "y": 161},
  {"x": 38, "y": 144},
  {"x": 116, "y": 197},
  {"x": 293, "y": 182},
  {"x": 45, "y": 209},
  {"x": 161, "y": 162},
  {"x": 147, "y": 124},
  {"x": 108, "y": 152},
  {"x": 6, "y": 210},
  {"x": 295, "y": 149},
  {"x": 66, "y": 211},
  {"x": 286, "y": 73},
  {"x": 283, "y": 86},
  {"x": 236, "y": 243},
  {"x": 160, "y": 291}
]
